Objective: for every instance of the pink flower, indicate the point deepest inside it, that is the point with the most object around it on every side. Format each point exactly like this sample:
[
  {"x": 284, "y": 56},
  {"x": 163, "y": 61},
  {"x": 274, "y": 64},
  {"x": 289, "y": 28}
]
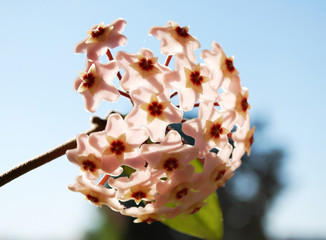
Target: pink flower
[
  {"x": 244, "y": 136},
  {"x": 210, "y": 128},
  {"x": 119, "y": 145},
  {"x": 222, "y": 66},
  {"x": 141, "y": 69},
  {"x": 147, "y": 214},
  {"x": 169, "y": 155},
  {"x": 141, "y": 185},
  {"x": 101, "y": 37},
  {"x": 86, "y": 157},
  {"x": 97, "y": 195},
  {"x": 153, "y": 112},
  {"x": 95, "y": 83},
  {"x": 191, "y": 82},
  {"x": 176, "y": 39}
]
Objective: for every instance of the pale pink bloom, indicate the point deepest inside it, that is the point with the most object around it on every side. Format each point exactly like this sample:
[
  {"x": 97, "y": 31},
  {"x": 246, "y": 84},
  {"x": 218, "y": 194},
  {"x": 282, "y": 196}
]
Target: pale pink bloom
[
  {"x": 175, "y": 39},
  {"x": 244, "y": 136},
  {"x": 168, "y": 156},
  {"x": 222, "y": 66},
  {"x": 119, "y": 145},
  {"x": 101, "y": 37},
  {"x": 96, "y": 194},
  {"x": 141, "y": 185},
  {"x": 153, "y": 112},
  {"x": 147, "y": 214},
  {"x": 95, "y": 83},
  {"x": 210, "y": 128},
  {"x": 178, "y": 188},
  {"x": 86, "y": 157},
  {"x": 141, "y": 69},
  {"x": 191, "y": 81}
]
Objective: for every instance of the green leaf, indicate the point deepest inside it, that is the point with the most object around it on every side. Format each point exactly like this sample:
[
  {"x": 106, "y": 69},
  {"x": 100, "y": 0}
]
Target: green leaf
[{"x": 206, "y": 223}]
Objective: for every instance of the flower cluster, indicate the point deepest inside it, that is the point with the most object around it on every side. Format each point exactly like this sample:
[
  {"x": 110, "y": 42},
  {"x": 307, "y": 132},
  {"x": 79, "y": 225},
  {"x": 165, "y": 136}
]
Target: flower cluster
[{"x": 139, "y": 165}]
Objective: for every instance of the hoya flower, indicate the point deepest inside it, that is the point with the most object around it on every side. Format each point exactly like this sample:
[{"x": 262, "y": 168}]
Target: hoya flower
[
  {"x": 191, "y": 82},
  {"x": 178, "y": 188},
  {"x": 141, "y": 69},
  {"x": 210, "y": 128},
  {"x": 175, "y": 39},
  {"x": 244, "y": 136},
  {"x": 222, "y": 65},
  {"x": 147, "y": 214},
  {"x": 119, "y": 145},
  {"x": 169, "y": 155},
  {"x": 95, "y": 83},
  {"x": 101, "y": 37},
  {"x": 242, "y": 106},
  {"x": 86, "y": 157},
  {"x": 153, "y": 112},
  {"x": 141, "y": 185},
  {"x": 96, "y": 194}
]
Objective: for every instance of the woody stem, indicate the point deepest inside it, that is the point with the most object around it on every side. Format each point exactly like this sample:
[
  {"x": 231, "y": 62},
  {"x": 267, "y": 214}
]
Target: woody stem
[{"x": 99, "y": 124}]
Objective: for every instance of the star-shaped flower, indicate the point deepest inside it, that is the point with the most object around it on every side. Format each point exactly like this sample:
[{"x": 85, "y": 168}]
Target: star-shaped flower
[
  {"x": 169, "y": 155},
  {"x": 222, "y": 66},
  {"x": 191, "y": 82},
  {"x": 141, "y": 69},
  {"x": 244, "y": 136},
  {"x": 153, "y": 112},
  {"x": 86, "y": 157},
  {"x": 175, "y": 39},
  {"x": 119, "y": 145},
  {"x": 141, "y": 185},
  {"x": 95, "y": 83},
  {"x": 96, "y": 194},
  {"x": 210, "y": 128},
  {"x": 101, "y": 37}
]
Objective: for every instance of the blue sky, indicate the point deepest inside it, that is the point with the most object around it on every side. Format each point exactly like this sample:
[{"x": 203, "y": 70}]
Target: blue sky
[{"x": 279, "y": 48}]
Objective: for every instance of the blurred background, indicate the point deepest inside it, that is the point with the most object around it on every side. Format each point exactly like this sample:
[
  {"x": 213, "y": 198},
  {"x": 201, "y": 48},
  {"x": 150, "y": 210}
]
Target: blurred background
[{"x": 279, "y": 48}]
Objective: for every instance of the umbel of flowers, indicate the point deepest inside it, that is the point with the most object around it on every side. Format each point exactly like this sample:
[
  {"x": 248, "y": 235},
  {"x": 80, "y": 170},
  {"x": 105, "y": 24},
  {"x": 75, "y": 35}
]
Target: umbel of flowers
[{"x": 162, "y": 182}]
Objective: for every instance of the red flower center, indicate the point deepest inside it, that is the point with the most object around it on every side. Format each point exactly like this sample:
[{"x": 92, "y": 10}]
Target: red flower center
[
  {"x": 155, "y": 108},
  {"x": 229, "y": 65},
  {"x": 138, "y": 195},
  {"x": 183, "y": 192},
  {"x": 219, "y": 175},
  {"x": 244, "y": 104},
  {"x": 216, "y": 130},
  {"x": 251, "y": 140},
  {"x": 117, "y": 147},
  {"x": 170, "y": 164},
  {"x": 88, "y": 80},
  {"x": 196, "y": 78},
  {"x": 146, "y": 64},
  {"x": 97, "y": 32},
  {"x": 89, "y": 166},
  {"x": 182, "y": 32},
  {"x": 92, "y": 198}
]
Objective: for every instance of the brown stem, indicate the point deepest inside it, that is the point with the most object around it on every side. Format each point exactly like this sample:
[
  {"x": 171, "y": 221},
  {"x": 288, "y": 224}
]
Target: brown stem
[
  {"x": 173, "y": 94},
  {"x": 104, "y": 179},
  {"x": 124, "y": 94},
  {"x": 108, "y": 53},
  {"x": 167, "y": 61},
  {"x": 48, "y": 156}
]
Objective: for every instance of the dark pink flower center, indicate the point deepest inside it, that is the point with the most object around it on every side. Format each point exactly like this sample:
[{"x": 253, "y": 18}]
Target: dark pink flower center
[
  {"x": 117, "y": 147},
  {"x": 88, "y": 80},
  {"x": 92, "y": 198},
  {"x": 182, "y": 193},
  {"x": 196, "y": 78},
  {"x": 88, "y": 166},
  {"x": 182, "y": 31},
  {"x": 170, "y": 164},
  {"x": 244, "y": 104},
  {"x": 138, "y": 195},
  {"x": 155, "y": 108},
  {"x": 97, "y": 32},
  {"x": 146, "y": 64},
  {"x": 216, "y": 130},
  {"x": 219, "y": 175},
  {"x": 251, "y": 140},
  {"x": 229, "y": 65}
]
